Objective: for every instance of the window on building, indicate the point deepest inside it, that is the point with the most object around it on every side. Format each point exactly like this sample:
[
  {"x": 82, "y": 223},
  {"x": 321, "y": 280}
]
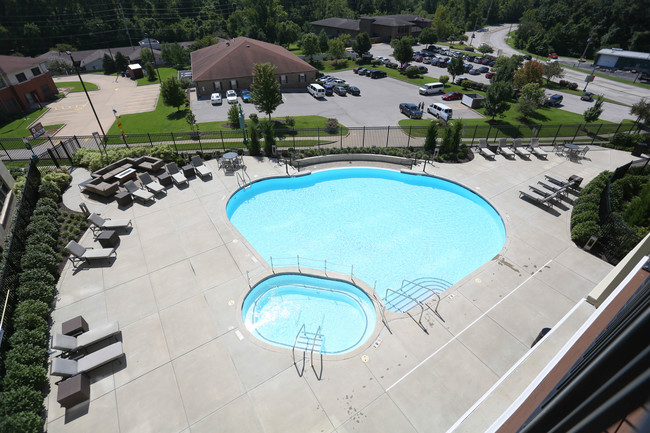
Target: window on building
[
  {"x": 45, "y": 89},
  {"x": 233, "y": 84},
  {"x": 283, "y": 79},
  {"x": 21, "y": 77},
  {"x": 36, "y": 71},
  {"x": 217, "y": 86},
  {"x": 302, "y": 78},
  {"x": 4, "y": 192}
]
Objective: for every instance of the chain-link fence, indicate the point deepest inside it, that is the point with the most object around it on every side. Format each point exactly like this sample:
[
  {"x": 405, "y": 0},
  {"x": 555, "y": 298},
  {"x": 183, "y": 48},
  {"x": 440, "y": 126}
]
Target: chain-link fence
[{"x": 62, "y": 148}]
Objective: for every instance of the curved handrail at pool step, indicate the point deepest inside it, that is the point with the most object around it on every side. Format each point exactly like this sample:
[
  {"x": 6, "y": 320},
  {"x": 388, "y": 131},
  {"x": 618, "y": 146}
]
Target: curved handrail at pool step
[
  {"x": 415, "y": 290},
  {"x": 293, "y": 353},
  {"x": 316, "y": 337},
  {"x": 241, "y": 180},
  {"x": 419, "y": 321},
  {"x": 425, "y": 288}
]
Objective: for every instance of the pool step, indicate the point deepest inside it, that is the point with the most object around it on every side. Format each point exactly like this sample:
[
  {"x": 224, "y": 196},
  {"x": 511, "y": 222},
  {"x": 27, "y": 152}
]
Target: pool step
[
  {"x": 415, "y": 290},
  {"x": 307, "y": 340}
]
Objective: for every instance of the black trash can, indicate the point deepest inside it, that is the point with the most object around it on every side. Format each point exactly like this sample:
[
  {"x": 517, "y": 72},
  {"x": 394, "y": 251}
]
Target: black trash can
[{"x": 639, "y": 149}]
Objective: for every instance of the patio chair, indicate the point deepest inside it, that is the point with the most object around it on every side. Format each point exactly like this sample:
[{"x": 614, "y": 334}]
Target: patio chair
[
  {"x": 558, "y": 180},
  {"x": 583, "y": 152},
  {"x": 553, "y": 187},
  {"x": 483, "y": 148},
  {"x": 152, "y": 185},
  {"x": 535, "y": 196},
  {"x": 520, "y": 149},
  {"x": 67, "y": 343},
  {"x": 200, "y": 169},
  {"x": 97, "y": 223},
  {"x": 536, "y": 150},
  {"x": 178, "y": 177},
  {"x": 138, "y": 193},
  {"x": 503, "y": 148},
  {"x": 71, "y": 367},
  {"x": 80, "y": 254}
]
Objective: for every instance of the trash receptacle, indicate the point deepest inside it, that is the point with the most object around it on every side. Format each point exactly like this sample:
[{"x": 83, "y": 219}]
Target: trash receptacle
[{"x": 639, "y": 149}]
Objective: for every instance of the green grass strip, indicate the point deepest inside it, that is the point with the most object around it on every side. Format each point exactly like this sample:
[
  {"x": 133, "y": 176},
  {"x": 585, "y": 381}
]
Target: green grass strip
[{"x": 75, "y": 86}]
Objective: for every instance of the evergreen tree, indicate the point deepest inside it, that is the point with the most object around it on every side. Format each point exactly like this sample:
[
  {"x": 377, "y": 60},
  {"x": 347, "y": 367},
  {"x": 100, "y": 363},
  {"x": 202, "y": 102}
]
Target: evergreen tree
[
  {"x": 432, "y": 137},
  {"x": 172, "y": 93},
  {"x": 269, "y": 138},
  {"x": 323, "y": 41},
  {"x": 121, "y": 62},
  {"x": 592, "y": 113},
  {"x": 108, "y": 64},
  {"x": 265, "y": 89},
  {"x": 361, "y": 44},
  {"x": 254, "y": 147}
]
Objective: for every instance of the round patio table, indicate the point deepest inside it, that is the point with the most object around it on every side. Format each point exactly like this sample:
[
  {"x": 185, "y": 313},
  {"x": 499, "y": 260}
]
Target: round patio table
[{"x": 230, "y": 155}]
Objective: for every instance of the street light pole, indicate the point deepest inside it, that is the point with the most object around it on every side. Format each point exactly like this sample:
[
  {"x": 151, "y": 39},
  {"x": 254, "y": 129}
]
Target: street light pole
[{"x": 74, "y": 64}]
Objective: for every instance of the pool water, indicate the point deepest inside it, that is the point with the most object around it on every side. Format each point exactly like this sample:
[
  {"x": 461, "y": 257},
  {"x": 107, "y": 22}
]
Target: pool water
[
  {"x": 388, "y": 225},
  {"x": 329, "y": 315}
]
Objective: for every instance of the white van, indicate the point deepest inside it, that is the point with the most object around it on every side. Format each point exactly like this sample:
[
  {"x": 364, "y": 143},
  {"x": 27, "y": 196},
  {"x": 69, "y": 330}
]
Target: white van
[
  {"x": 441, "y": 111},
  {"x": 431, "y": 88},
  {"x": 316, "y": 90}
]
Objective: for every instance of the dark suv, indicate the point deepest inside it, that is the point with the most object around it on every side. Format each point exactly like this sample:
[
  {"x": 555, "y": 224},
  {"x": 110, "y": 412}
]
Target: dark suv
[
  {"x": 554, "y": 100},
  {"x": 377, "y": 74},
  {"x": 410, "y": 110}
]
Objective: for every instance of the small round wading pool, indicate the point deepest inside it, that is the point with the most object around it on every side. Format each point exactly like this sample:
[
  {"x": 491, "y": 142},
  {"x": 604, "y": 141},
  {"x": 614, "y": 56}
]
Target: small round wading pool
[{"x": 333, "y": 316}]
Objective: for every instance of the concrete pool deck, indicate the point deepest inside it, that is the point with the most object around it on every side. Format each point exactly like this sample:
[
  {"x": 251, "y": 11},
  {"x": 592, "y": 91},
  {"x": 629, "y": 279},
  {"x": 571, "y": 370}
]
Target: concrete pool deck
[{"x": 180, "y": 273}]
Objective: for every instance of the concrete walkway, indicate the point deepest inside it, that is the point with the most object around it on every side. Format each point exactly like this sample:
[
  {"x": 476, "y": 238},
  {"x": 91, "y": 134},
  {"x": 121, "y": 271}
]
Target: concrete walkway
[{"x": 180, "y": 276}]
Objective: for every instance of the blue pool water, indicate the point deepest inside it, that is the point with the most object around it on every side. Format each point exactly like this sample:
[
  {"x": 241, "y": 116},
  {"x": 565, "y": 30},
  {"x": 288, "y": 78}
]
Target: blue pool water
[
  {"x": 335, "y": 313},
  {"x": 391, "y": 226}
]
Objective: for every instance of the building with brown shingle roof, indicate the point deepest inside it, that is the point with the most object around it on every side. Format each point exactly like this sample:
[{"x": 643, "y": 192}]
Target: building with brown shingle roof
[
  {"x": 24, "y": 84},
  {"x": 229, "y": 65}
]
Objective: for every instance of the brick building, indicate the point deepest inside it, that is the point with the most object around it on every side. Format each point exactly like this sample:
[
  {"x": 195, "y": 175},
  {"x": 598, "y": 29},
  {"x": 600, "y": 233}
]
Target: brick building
[{"x": 24, "y": 84}]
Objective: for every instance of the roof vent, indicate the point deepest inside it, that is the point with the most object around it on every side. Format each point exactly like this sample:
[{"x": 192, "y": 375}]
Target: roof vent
[
  {"x": 227, "y": 43},
  {"x": 248, "y": 46}
]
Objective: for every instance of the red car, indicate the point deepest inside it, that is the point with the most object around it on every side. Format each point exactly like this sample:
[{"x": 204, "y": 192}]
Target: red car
[
  {"x": 452, "y": 96},
  {"x": 418, "y": 58},
  {"x": 553, "y": 56},
  {"x": 356, "y": 70},
  {"x": 489, "y": 75}
]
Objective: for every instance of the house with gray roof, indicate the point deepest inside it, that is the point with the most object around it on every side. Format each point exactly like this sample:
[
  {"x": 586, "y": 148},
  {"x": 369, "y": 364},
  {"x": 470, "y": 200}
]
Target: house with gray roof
[
  {"x": 381, "y": 28},
  {"x": 229, "y": 65},
  {"x": 616, "y": 58}
]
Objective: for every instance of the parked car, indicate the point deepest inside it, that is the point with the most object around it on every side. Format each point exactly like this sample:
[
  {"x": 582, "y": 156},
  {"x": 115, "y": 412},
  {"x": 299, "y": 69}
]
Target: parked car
[
  {"x": 354, "y": 90},
  {"x": 528, "y": 57},
  {"x": 366, "y": 56},
  {"x": 468, "y": 67},
  {"x": 489, "y": 75},
  {"x": 460, "y": 80},
  {"x": 329, "y": 89},
  {"x": 553, "y": 56},
  {"x": 357, "y": 69},
  {"x": 410, "y": 110},
  {"x": 245, "y": 95},
  {"x": 215, "y": 98},
  {"x": 418, "y": 58},
  {"x": 554, "y": 100},
  {"x": 475, "y": 71},
  {"x": 426, "y": 60},
  {"x": 452, "y": 96},
  {"x": 492, "y": 63},
  {"x": 340, "y": 90},
  {"x": 377, "y": 74},
  {"x": 423, "y": 69},
  {"x": 471, "y": 58},
  {"x": 587, "y": 96},
  {"x": 403, "y": 67},
  {"x": 337, "y": 82},
  {"x": 483, "y": 69},
  {"x": 363, "y": 71},
  {"x": 231, "y": 96}
]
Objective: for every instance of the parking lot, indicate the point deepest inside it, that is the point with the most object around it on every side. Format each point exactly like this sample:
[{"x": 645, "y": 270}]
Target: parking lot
[{"x": 378, "y": 104}]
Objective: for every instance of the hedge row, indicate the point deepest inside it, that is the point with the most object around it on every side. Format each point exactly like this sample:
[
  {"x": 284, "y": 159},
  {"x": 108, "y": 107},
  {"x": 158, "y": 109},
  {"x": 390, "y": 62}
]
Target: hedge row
[
  {"x": 21, "y": 401},
  {"x": 585, "y": 219},
  {"x": 469, "y": 84},
  {"x": 398, "y": 151}
]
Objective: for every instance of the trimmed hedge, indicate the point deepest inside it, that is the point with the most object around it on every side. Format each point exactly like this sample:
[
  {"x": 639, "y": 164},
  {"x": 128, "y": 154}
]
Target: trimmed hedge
[
  {"x": 585, "y": 218},
  {"x": 24, "y": 422},
  {"x": 20, "y": 399},
  {"x": 36, "y": 290}
]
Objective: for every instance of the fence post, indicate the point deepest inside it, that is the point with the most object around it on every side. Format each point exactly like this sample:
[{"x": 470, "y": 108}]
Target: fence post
[
  {"x": 408, "y": 143},
  {"x": 3, "y": 148},
  {"x": 318, "y": 137},
  {"x": 200, "y": 146},
  {"x": 341, "y": 136},
  {"x": 223, "y": 144},
  {"x": 173, "y": 140},
  {"x": 150, "y": 142},
  {"x": 53, "y": 158},
  {"x": 66, "y": 152},
  {"x": 576, "y": 133},
  {"x": 387, "y": 135},
  {"x": 363, "y": 138},
  {"x": 125, "y": 143},
  {"x": 557, "y": 133},
  {"x": 596, "y": 134},
  {"x": 488, "y": 134},
  {"x": 618, "y": 127},
  {"x": 474, "y": 135}
]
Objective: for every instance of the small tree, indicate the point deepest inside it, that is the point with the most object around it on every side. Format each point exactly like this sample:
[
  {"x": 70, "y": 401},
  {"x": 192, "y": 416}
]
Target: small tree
[
  {"x": 310, "y": 45},
  {"x": 592, "y": 113},
  {"x": 121, "y": 62},
  {"x": 59, "y": 67},
  {"x": 457, "y": 135},
  {"x": 190, "y": 118},
  {"x": 444, "y": 79},
  {"x": 287, "y": 32},
  {"x": 254, "y": 147},
  {"x": 641, "y": 109},
  {"x": 532, "y": 97},
  {"x": 531, "y": 72},
  {"x": 233, "y": 116},
  {"x": 412, "y": 71},
  {"x": 323, "y": 41},
  {"x": 428, "y": 36},
  {"x": 485, "y": 49},
  {"x": 269, "y": 138},
  {"x": 172, "y": 93},
  {"x": 345, "y": 38},
  {"x": 361, "y": 43},
  {"x": 108, "y": 64},
  {"x": 447, "y": 145},
  {"x": 403, "y": 51},
  {"x": 495, "y": 99},
  {"x": 151, "y": 72},
  {"x": 455, "y": 67},
  {"x": 175, "y": 55},
  {"x": 265, "y": 89},
  {"x": 432, "y": 137},
  {"x": 336, "y": 48},
  {"x": 146, "y": 55},
  {"x": 553, "y": 70}
]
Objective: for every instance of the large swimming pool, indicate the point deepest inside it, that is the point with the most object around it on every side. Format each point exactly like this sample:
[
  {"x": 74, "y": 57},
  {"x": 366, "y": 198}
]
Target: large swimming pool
[{"x": 389, "y": 226}]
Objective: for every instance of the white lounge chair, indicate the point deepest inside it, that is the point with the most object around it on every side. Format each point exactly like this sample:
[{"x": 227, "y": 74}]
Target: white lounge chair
[
  {"x": 483, "y": 148},
  {"x": 97, "y": 223},
  {"x": 80, "y": 254},
  {"x": 178, "y": 177},
  {"x": 520, "y": 149},
  {"x": 503, "y": 148},
  {"x": 138, "y": 193},
  {"x": 71, "y": 367},
  {"x": 152, "y": 185},
  {"x": 536, "y": 150},
  {"x": 200, "y": 169},
  {"x": 67, "y": 343}
]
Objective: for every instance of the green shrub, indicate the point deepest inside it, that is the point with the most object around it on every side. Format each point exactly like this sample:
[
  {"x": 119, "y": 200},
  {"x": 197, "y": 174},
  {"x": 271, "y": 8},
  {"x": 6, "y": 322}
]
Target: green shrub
[
  {"x": 47, "y": 211},
  {"x": 585, "y": 207},
  {"x": 29, "y": 337},
  {"x": 583, "y": 231},
  {"x": 61, "y": 177},
  {"x": 254, "y": 118},
  {"x": 254, "y": 147},
  {"x": 36, "y": 275},
  {"x": 43, "y": 257},
  {"x": 42, "y": 224},
  {"x": 46, "y": 202},
  {"x": 24, "y": 422},
  {"x": 49, "y": 189},
  {"x": 35, "y": 307},
  {"x": 32, "y": 376},
  {"x": 444, "y": 79},
  {"x": 27, "y": 355},
  {"x": 412, "y": 71},
  {"x": 577, "y": 218},
  {"x": 637, "y": 211},
  {"x": 40, "y": 239},
  {"x": 624, "y": 140},
  {"x": 164, "y": 152},
  {"x": 21, "y": 399}
]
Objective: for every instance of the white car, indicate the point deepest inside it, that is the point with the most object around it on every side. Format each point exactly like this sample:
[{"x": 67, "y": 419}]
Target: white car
[
  {"x": 231, "y": 96},
  {"x": 215, "y": 98}
]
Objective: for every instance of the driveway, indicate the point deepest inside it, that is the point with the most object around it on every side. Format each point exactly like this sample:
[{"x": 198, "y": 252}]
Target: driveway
[
  {"x": 377, "y": 105},
  {"x": 122, "y": 95}
]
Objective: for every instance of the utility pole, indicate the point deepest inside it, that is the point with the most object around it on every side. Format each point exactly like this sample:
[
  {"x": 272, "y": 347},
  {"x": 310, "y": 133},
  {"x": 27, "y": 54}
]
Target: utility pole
[
  {"x": 154, "y": 56},
  {"x": 126, "y": 27}
]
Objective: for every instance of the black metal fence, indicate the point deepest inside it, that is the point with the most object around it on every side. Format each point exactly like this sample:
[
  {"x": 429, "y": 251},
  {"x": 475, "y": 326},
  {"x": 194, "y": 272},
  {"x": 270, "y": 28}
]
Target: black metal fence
[
  {"x": 63, "y": 148},
  {"x": 616, "y": 239},
  {"x": 13, "y": 253}
]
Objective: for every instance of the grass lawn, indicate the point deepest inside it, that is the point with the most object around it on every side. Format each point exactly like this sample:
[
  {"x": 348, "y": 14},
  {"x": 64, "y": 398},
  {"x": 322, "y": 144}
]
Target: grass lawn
[
  {"x": 164, "y": 74},
  {"x": 75, "y": 86},
  {"x": 18, "y": 128},
  {"x": 295, "y": 49},
  {"x": 341, "y": 65}
]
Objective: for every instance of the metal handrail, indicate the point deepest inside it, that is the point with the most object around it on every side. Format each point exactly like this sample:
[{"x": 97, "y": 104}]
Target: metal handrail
[
  {"x": 412, "y": 299},
  {"x": 320, "y": 350},
  {"x": 293, "y": 352},
  {"x": 382, "y": 310},
  {"x": 426, "y": 288}
]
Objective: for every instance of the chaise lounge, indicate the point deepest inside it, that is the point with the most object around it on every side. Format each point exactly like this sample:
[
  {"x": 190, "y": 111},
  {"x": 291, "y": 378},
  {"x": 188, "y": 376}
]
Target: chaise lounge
[
  {"x": 81, "y": 254},
  {"x": 200, "y": 169},
  {"x": 483, "y": 148},
  {"x": 67, "y": 343},
  {"x": 178, "y": 177},
  {"x": 504, "y": 149},
  {"x": 152, "y": 185},
  {"x": 97, "y": 223},
  {"x": 71, "y": 367},
  {"x": 138, "y": 193},
  {"x": 536, "y": 150},
  {"x": 520, "y": 149}
]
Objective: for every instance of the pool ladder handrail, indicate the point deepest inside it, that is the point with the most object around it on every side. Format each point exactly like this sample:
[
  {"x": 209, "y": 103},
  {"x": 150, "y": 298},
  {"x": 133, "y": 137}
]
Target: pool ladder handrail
[
  {"x": 320, "y": 351},
  {"x": 426, "y": 288},
  {"x": 419, "y": 321},
  {"x": 382, "y": 311},
  {"x": 293, "y": 353},
  {"x": 241, "y": 180}
]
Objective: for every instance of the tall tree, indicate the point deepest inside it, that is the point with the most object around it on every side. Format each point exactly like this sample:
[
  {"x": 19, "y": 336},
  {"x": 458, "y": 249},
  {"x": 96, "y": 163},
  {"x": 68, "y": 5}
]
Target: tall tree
[
  {"x": 641, "y": 109},
  {"x": 121, "y": 62},
  {"x": 146, "y": 55},
  {"x": 592, "y": 113},
  {"x": 361, "y": 43},
  {"x": 455, "y": 67},
  {"x": 172, "y": 93},
  {"x": 432, "y": 137},
  {"x": 287, "y": 32},
  {"x": 532, "y": 97},
  {"x": 310, "y": 45},
  {"x": 495, "y": 98},
  {"x": 505, "y": 68},
  {"x": 531, "y": 72},
  {"x": 403, "y": 51},
  {"x": 553, "y": 70},
  {"x": 336, "y": 48},
  {"x": 323, "y": 41},
  {"x": 428, "y": 36},
  {"x": 108, "y": 64},
  {"x": 265, "y": 93},
  {"x": 175, "y": 55}
]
